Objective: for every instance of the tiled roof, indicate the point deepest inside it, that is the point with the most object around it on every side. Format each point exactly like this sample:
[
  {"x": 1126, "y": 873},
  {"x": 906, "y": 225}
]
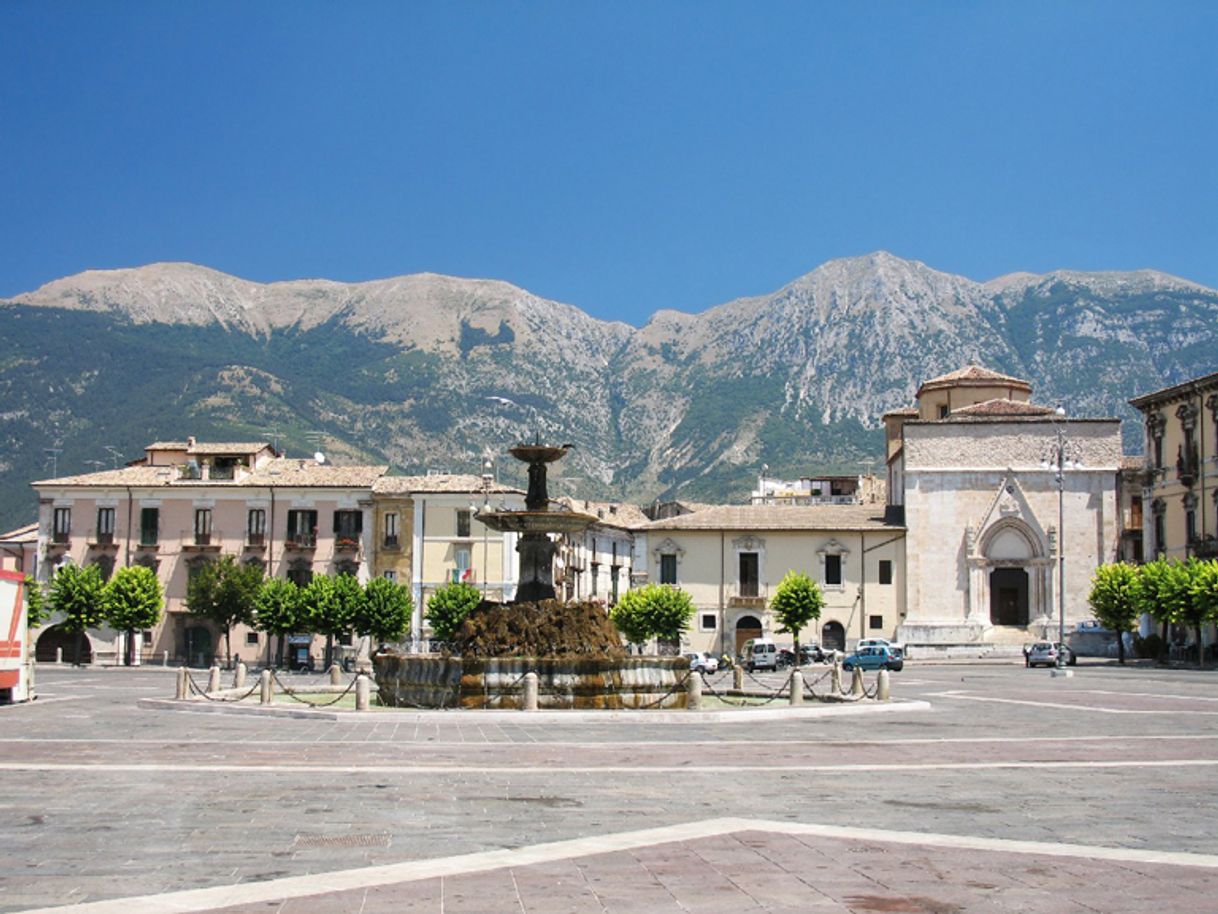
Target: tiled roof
[
  {"x": 228, "y": 447},
  {"x": 974, "y": 375},
  {"x": 28, "y": 532},
  {"x": 769, "y": 517},
  {"x": 168, "y": 446},
  {"x": 904, "y": 411},
  {"x": 1001, "y": 408},
  {"x": 610, "y": 513},
  {"x": 438, "y": 483},
  {"x": 282, "y": 471}
]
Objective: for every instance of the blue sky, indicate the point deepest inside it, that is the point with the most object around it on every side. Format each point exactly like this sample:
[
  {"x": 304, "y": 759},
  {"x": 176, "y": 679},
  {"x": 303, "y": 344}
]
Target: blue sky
[{"x": 623, "y": 157}]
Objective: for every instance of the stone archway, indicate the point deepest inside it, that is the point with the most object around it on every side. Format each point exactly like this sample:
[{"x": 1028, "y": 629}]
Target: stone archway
[
  {"x": 1010, "y": 575},
  {"x": 747, "y": 627},
  {"x": 833, "y": 636},
  {"x": 51, "y": 641}
]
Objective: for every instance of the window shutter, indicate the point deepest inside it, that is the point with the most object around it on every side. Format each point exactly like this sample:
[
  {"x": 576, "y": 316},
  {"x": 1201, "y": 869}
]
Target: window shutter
[{"x": 337, "y": 515}]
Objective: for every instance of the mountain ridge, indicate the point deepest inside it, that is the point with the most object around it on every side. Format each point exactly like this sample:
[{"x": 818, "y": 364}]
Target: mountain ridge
[{"x": 430, "y": 371}]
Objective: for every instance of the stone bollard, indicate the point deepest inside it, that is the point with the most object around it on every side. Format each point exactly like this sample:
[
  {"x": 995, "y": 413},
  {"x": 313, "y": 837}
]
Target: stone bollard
[
  {"x": 180, "y": 691},
  {"x": 835, "y": 679},
  {"x": 693, "y": 692},
  {"x": 363, "y": 688},
  {"x": 883, "y": 686},
  {"x": 797, "y": 688},
  {"x": 738, "y": 678},
  {"x": 164, "y": 658},
  {"x": 59, "y": 655},
  {"x": 530, "y": 692},
  {"x": 239, "y": 676},
  {"x": 213, "y": 680},
  {"x": 335, "y": 673},
  {"x": 856, "y": 683},
  {"x": 265, "y": 689}
]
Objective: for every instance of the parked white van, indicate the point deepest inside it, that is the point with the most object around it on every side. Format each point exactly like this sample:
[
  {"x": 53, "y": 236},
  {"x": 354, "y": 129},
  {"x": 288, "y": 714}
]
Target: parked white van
[{"x": 759, "y": 654}]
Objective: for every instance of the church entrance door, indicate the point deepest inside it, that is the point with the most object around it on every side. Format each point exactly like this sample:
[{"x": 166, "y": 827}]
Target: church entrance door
[{"x": 1009, "y": 597}]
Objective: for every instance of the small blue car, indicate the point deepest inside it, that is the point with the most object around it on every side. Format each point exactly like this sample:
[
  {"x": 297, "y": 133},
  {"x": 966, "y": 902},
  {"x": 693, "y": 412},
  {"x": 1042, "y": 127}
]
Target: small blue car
[{"x": 875, "y": 658}]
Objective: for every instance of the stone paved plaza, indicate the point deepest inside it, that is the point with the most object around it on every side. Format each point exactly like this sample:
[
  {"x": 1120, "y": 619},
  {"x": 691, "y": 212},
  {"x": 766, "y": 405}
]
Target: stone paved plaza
[{"x": 1014, "y": 791}]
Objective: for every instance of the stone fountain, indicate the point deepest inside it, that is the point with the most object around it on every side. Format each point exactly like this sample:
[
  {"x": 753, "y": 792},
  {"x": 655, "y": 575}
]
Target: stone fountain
[
  {"x": 572, "y": 647},
  {"x": 536, "y": 523}
]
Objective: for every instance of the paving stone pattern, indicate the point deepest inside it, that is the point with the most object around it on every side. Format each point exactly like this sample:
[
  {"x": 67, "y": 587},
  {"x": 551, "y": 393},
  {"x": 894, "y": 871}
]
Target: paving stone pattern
[{"x": 109, "y": 801}]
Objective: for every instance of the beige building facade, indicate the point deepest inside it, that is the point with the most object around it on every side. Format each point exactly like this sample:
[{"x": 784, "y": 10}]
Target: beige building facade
[
  {"x": 731, "y": 559},
  {"x": 1180, "y": 469}
]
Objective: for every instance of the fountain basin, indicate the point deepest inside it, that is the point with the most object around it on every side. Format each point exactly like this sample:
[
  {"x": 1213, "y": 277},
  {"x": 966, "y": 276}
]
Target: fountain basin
[
  {"x": 577, "y": 683},
  {"x": 536, "y": 521}
]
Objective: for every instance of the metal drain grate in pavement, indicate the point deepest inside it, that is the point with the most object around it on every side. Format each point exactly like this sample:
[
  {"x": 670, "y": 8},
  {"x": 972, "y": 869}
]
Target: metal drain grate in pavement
[{"x": 380, "y": 839}]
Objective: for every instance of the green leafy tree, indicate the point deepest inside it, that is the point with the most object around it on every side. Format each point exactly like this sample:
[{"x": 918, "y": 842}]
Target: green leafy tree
[
  {"x": 659, "y": 611},
  {"x": 1113, "y": 599},
  {"x": 1205, "y": 589},
  {"x": 134, "y": 600},
  {"x": 225, "y": 592},
  {"x": 1152, "y": 595},
  {"x": 1186, "y": 608},
  {"x": 448, "y": 607},
  {"x": 387, "y": 609},
  {"x": 76, "y": 593},
  {"x": 797, "y": 601},
  {"x": 331, "y": 606},
  {"x": 37, "y": 608},
  {"x": 278, "y": 611}
]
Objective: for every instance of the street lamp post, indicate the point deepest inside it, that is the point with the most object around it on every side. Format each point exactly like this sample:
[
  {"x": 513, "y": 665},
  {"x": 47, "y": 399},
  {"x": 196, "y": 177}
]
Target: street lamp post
[{"x": 1059, "y": 462}]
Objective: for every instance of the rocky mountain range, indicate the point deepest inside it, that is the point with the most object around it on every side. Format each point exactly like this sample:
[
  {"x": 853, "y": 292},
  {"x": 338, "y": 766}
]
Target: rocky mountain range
[{"x": 434, "y": 372}]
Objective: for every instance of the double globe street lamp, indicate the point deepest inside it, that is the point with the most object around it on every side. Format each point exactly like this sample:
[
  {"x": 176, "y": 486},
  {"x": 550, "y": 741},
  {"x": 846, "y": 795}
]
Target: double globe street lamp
[{"x": 1060, "y": 455}]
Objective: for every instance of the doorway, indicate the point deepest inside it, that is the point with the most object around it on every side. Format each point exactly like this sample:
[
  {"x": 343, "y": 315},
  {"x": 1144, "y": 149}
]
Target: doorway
[
  {"x": 1009, "y": 597},
  {"x": 747, "y": 627},
  {"x": 833, "y": 636}
]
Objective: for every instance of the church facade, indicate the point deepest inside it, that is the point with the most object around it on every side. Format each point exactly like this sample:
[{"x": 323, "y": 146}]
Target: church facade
[{"x": 1009, "y": 507}]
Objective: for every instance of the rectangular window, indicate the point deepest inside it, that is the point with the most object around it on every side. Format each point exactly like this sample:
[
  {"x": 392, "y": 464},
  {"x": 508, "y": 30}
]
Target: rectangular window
[
  {"x": 105, "y": 525},
  {"x": 463, "y": 523},
  {"x": 596, "y": 573},
  {"x": 391, "y": 576},
  {"x": 391, "y": 530},
  {"x": 150, "y": 522},
  {"x": 202, "y": 526},
  {"x": 251, "y": 639},
  {"x": 302, "y": 528},
  {"x": 749, "y": 574},
  {"x": 256, "y": 527},
  {"x": 885, "y": 571},
  {"x": 875, "y": 622},
  {"x": 944, "y": 411},
  {"x": 614, "y": 572},
  {"x": 668, "y": 568},
  {"x": 63, "y": 525},
  {"x": 1160, "y": 543},
  {"x": 463, "y": 571},
  {"x": 348, "y": 525},
  {"x": 833, "y": 569},
  {"x": 706, "y": 622}
]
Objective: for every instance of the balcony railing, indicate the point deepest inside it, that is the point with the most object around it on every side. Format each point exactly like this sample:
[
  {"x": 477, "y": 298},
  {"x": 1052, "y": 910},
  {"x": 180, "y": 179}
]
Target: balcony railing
[
  {"x": 192, "y": 539},
  {"x": 391, "y": 541},
  {"x": 149, "y": 539},
  {"x": 105, "y": 538},
  {"x": 301, "y": 541},
  {"x": 255, "y": 540},
  {"x": 753, "y": 596},
  {"x": 346, "y": 543},
  {"x": 61, "y": 537}
]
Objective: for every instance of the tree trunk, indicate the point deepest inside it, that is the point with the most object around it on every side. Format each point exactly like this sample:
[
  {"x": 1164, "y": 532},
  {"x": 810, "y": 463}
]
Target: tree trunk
[
  {"x": 76, "y": 659},
  {"x": 228, "y": 647},
  {"x": 1200, "y": 649},
  {"x": 1164, "y": 647},
  {"x": 1121, "y": 647},
  {"x": 329, "y": 651},
  {"x": 279, "y": 651},
  {"x": 130, "y": 659}
]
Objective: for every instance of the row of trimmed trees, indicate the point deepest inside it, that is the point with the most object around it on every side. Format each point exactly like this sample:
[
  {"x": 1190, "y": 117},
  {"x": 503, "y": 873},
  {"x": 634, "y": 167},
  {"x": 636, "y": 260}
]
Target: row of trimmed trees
[
  {"x": 227, "y": 593},
  {"x": 130, "y": 601},
  {"x": 1168, "y": 590}
]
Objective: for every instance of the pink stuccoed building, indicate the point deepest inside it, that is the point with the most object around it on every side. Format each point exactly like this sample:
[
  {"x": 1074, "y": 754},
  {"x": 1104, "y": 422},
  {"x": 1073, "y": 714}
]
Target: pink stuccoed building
[{"x": 187, "y": 502}]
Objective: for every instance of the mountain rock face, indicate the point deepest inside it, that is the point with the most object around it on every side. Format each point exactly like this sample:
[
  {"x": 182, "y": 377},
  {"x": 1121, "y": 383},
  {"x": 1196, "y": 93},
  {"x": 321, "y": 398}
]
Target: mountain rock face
[{"x": 429, "y": 371}]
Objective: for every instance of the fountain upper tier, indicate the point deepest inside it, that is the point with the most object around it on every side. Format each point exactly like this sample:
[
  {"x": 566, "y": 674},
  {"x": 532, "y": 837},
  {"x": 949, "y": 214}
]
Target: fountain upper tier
[{"x": 536, "y": 521}]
